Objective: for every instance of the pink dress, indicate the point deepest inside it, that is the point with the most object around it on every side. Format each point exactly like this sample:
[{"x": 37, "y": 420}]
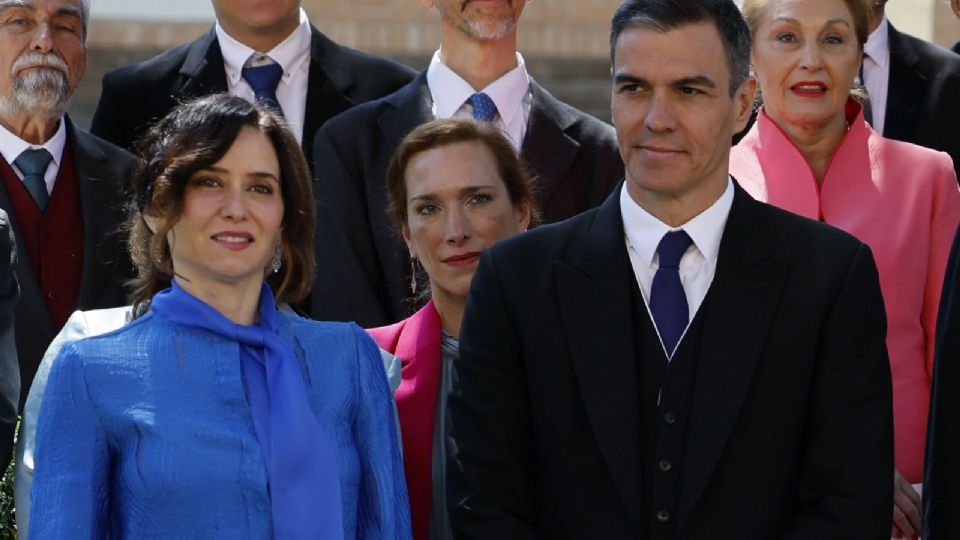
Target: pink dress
[{"x": 900, "y": 199}]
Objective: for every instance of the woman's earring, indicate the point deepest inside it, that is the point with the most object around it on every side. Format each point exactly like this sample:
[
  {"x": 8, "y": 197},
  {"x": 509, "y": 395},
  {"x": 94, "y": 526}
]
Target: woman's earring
[
  {"x": 277, "y": 260},
  {"x": 413, "y": 275}
]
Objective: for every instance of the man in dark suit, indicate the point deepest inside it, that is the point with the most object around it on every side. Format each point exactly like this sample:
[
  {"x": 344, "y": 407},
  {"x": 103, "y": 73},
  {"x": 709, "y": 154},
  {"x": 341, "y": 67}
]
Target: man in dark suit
[
  {"x": 941, "y": 474},
  {"x": 363, "y": 268},
  {"x": 683, "y": 361},
  {"x": 316, "y": 80},
  {"x": 913, "y": 87},
  {"x": 60, "y": 186},
  {"x": 9, "y": 369}
]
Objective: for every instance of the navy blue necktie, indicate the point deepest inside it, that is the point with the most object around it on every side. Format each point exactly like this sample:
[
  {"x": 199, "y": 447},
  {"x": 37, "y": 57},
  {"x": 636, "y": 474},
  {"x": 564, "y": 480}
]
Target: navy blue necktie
[
  {"x": 484, "y": 109},
  {"x": 264, "y": 80},
  {"x": 668, "y": 302},
  {"x": 33, "y": 162}
]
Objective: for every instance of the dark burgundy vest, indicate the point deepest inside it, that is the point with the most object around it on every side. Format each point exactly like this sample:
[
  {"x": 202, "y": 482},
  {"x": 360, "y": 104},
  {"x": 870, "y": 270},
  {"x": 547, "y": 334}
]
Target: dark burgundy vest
[{"x": 53, "y": 239}]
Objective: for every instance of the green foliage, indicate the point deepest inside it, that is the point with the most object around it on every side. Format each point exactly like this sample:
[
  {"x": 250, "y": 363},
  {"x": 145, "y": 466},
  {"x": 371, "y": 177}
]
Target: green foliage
[{"x": 8, "y": 529}]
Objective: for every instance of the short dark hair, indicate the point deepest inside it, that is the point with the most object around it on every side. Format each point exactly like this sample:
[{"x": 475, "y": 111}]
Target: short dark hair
[
  {"x": 666, "y": 15},
  {"x": 193, "y": 137},
  {"x": 518, "y": 180}
]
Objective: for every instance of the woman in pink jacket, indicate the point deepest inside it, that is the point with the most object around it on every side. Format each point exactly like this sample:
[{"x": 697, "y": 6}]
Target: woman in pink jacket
[
  {"x": 812, "y": 152},
  {"x": 453, "y": 188}
]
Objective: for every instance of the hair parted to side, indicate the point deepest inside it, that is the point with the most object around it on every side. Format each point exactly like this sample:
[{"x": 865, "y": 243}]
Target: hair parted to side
[
  {"x": 666, "y": 15},
  {"x": 754, "y": 11},
  {"x": 191, "y": 138},
  {"x": 438, "y": 133}
]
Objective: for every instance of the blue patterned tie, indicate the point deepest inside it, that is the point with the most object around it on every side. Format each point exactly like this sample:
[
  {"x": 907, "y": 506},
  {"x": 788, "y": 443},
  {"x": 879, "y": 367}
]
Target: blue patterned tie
[
  {"x": 264, "y": 80},
  {"x": 484, "y": 109},
  {"x": 33, "y": 162},
  {"x": 668, "y": 302}
]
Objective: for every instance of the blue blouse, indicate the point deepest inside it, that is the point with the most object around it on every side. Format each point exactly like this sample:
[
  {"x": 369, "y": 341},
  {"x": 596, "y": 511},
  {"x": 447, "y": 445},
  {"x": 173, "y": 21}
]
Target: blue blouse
[{"x": 146, "y": 432}]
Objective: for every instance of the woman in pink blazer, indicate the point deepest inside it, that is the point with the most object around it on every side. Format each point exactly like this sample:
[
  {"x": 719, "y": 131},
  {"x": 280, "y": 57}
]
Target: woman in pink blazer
[
  {"x": 454, "y": 188},
  {"x": 812, "y": 153}
]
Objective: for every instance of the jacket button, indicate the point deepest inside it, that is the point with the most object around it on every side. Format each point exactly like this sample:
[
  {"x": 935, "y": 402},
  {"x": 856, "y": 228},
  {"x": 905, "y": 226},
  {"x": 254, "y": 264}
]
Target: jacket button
[
  {"x": 663, "y": 516},
  {"x": 669, "y": 418},
  {"x": 665, "y": 465}
]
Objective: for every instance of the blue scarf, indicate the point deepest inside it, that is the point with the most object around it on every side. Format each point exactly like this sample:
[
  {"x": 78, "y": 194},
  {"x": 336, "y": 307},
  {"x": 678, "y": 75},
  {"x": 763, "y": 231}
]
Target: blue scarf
[{"x": 302, "y": 472}]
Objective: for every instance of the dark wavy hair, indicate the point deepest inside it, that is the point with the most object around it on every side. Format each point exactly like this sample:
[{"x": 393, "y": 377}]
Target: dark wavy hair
[{"x": 193, "y": 137}]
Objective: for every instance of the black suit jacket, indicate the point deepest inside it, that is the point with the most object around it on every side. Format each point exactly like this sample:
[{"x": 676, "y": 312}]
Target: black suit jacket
[
  {"x": 790, "y": 431},
  {"x": 102, "y": 174},
  {"x": 922, "y": 104},
  {"x": 363, "y": 268},
  {"x": 134, "y": 97},
  {"x": 9, "y": 370},
  {"x": 941, "y": 475}
]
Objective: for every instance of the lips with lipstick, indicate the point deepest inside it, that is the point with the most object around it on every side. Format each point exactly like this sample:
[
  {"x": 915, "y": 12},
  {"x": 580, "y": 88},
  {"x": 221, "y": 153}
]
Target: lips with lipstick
[
  {"x": 463, "y": 259},
  {"x": 809, "y": 88},
  {"x": 235, "y": 240}
]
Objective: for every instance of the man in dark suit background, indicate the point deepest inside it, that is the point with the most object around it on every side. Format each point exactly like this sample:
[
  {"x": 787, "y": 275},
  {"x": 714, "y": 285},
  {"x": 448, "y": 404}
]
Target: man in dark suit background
[
  {"x": 270, "y": 42},
  {"x": 913, "y": 87},
  {"x": 941, "y": 474},
  {"x": 60, "y": 186},
  {"x": 9, "y": 369},
  {"x": 683, "y": 361},
  {"x": 363, "y": 269}
]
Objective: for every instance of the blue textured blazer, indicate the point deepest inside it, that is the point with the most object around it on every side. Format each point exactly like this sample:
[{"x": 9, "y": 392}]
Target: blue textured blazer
[{"x": 145, "y": 432}]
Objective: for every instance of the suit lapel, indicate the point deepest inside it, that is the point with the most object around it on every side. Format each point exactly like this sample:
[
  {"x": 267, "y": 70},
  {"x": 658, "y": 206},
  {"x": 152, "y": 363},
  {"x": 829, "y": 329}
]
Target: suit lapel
[
  {"x": 202, "y": 71},
  {"x": 594, "y": 293},
  {"x": 100, "y": 208},
  {"x": 906, "y": 84},
  {"x": 546, "y": 147},
  {"x": 325, "y": 98},
  {"x": 739, "y": 308}
]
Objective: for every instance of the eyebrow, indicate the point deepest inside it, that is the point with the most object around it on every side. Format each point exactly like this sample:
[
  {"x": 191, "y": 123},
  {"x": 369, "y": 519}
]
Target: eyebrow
[
  {"x": 23, "y": 4},
  {"x": 694, "y": 80},
  {"x": 828, "y": 23},
  {"x": 469, "y": 190},
  {"x": 256, "y": 174}
]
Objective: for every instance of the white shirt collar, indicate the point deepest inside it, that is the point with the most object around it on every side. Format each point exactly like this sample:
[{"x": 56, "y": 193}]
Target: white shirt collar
[
  {"x": 644, "y": 231},
  {"x": 450, "y": 91},
  {"x": 876, "y": 46},
  {"x": 290, "y": 53},
  {"x": 11, "y": 146}
]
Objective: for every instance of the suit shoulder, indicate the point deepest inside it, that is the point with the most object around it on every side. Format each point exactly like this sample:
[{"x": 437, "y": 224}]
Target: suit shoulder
[
  {"x": 145, "y": 76},
  {"x": 383, "y": 68},
  {"x": 585, "y": 125},
  {"x": 547, "y": 242},
  {"x": 804, "y": 235}
]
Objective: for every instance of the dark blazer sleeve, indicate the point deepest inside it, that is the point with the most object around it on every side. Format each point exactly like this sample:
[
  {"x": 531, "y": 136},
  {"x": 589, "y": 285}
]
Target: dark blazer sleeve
[
  {"x": 9, "y": 370},
  {"x": 845, "y": 478},
  {"x": 941, "y": 476},
  {"x": 490, "y": 486}
]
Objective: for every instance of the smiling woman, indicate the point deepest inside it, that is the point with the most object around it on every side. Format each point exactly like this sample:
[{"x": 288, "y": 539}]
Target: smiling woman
[{"x": 214, "y": 414}]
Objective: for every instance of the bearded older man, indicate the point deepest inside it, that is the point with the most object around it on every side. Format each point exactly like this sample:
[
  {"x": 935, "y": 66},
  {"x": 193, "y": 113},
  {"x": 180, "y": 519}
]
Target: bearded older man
[{"x": 60, "y": 185}]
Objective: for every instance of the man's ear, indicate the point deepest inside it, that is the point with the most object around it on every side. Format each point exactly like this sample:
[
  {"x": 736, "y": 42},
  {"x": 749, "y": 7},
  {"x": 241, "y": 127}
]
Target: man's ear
[{"x": 744, "y": 103}]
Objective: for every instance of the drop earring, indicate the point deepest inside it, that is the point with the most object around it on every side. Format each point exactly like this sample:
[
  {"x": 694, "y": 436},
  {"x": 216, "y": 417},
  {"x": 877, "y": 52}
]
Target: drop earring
[
  {"x": 277, "y": 260},
  {"x": 413, "y": 275}
]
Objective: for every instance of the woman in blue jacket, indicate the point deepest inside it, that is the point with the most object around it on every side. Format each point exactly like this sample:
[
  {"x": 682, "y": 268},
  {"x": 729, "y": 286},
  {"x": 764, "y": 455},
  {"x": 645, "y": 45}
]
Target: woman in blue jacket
[{"x": 213, "y": 414}]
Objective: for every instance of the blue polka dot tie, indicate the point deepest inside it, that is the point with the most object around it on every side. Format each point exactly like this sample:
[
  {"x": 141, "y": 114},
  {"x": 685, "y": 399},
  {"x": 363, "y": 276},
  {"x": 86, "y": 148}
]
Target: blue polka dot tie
[
  {"x": 264, "y": 80},
  {"x": 484, "y": 109},
  {"x": 668, "y": 302},
  {"x": 33, "y": 164}
]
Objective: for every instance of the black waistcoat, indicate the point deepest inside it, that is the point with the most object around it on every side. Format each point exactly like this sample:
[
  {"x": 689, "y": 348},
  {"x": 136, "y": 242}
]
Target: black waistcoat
[{"x": 663, "y": 424}]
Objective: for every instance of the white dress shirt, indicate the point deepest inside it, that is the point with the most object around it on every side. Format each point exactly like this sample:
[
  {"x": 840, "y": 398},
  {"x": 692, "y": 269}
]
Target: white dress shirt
[
  {"x": 293, "y": 55},
  {"x": 11, "y": 146},
  {"x": 876, "y": 72},
  {"x": 510, "y": 93},
  {"x": 698, "y": 264}
]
